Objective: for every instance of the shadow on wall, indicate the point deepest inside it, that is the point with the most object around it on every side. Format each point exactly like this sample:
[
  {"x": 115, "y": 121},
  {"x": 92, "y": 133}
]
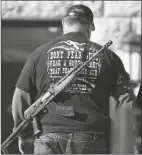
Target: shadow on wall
[{"x": 10, "y": 73}]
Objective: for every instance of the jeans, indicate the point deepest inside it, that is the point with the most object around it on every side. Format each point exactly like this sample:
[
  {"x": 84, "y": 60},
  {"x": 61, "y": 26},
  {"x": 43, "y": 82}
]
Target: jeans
[{"x": 70, "y": 143}]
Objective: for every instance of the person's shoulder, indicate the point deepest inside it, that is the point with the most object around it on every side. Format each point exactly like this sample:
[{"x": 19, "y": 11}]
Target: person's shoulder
[
  {"x": 108, "y": 54},
  {"x": 97, "y": 46},
  {"x": 44, "y": 48},
  {"x": 49, "y": 44}
]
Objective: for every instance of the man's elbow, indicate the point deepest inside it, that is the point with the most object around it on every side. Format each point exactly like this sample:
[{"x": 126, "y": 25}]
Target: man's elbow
[{"x": 17, "y": 107}]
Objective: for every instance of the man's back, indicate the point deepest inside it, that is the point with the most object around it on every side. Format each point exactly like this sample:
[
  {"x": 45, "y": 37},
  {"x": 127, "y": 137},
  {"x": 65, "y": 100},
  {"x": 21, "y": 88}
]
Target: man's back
[{"x": 84, "y": 105}]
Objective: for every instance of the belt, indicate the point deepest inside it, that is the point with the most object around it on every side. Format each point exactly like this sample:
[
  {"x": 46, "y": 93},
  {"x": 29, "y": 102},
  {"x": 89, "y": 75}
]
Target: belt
[{"x": 73, "y": 136}]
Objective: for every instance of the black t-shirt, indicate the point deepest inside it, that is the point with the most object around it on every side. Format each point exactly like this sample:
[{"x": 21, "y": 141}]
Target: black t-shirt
[{"x": 83, "y": 106}]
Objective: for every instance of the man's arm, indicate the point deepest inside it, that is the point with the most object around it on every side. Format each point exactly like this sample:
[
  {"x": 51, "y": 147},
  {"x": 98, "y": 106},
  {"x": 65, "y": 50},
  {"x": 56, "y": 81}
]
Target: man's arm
[
  {"x": 25, "y": 90},
  {"x": 125, "y": 124},
  {"x": 21, "y": 101},
  {"x": 122, "y": 90},
  {"x": 23, "y": 97},
  {"x": 139, "y": 97}
]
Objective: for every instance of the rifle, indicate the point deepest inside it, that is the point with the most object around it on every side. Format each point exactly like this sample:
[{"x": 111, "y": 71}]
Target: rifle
[{"x": 32, "y": 112}]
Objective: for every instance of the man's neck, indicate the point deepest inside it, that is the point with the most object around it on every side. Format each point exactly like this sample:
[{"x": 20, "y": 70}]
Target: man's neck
[{"x": 65, "y": 31}]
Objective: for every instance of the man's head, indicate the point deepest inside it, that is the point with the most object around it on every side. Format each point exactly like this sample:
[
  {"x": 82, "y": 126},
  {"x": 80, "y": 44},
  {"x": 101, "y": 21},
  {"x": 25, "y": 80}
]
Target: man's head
[{"x": 79, "y": 18}]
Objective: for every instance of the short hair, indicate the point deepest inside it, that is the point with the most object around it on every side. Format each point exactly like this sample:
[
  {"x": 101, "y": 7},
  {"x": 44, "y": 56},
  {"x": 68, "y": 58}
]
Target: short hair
[
  {"x": 75, "y": 20},
  {"x": 78, "y": 14}
]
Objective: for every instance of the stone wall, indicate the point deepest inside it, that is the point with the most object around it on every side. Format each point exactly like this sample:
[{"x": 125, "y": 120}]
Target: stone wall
[{"x": 114, "y": 20}]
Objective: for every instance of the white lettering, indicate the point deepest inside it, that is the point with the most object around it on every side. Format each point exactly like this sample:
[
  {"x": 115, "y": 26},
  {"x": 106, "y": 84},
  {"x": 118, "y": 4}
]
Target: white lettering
[
  {"x": 56, "y": 54},
  {"x": 54, "y": 71},
  {"x": 73, "y": 62},
  {"x": 55, "y": 63},
  {"x": 74, "y": 55},
  {"x": 93, "y": 72}
]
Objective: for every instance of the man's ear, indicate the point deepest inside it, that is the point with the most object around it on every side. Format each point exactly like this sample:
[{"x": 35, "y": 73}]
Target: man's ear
[
  {"x": 92, "y": 26},
  {"x": 62, "y": 22}
]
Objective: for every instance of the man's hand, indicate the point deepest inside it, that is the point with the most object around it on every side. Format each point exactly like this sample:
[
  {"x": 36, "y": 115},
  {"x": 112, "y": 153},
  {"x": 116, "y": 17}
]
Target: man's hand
[
  {"x": 26, "y": 146},
  {"x": 26, "y": 140}
]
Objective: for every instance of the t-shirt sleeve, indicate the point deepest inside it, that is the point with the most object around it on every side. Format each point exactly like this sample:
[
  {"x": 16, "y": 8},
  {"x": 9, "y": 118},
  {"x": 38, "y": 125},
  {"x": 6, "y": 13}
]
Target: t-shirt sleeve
[
  {"x": 122, "y": 92},
  {"x": 27, "y": 78},
  {"x": 139, "y": 97}
]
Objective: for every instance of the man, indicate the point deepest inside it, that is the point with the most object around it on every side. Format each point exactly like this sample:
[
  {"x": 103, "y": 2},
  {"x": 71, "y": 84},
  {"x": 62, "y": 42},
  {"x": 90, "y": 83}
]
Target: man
[
  {"x": 139, "y": 97},
  {"x": 139, "y": 103},
  {"x": 78, "y": 119}
]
